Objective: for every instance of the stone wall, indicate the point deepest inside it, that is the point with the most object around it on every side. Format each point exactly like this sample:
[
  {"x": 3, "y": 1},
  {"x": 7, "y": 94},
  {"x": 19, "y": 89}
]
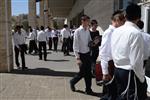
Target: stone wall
[
  {"x": 101, "y": 10},
  {"x": 78, "y": 8},
  {"x": 6, "y": 54}
]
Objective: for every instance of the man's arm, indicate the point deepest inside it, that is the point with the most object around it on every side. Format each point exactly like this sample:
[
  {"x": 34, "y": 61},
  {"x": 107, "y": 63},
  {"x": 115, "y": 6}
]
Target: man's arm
[{"x": 136, "y": 55}]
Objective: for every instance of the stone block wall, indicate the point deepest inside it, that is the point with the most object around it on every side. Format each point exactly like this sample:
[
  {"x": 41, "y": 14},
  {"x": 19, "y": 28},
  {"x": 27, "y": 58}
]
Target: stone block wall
[
  {"x": 101, "y": 10},
  {"x": 6, "y": 54}
]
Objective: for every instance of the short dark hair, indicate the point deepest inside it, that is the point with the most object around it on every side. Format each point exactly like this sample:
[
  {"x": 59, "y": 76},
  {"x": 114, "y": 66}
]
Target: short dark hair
[
  {"x": 42, "y": 27},
  {"x": 31, "y": 30},
  {"x": 85, "y": 17},
  {"x": 65, "y": 25},
  {"x": 133, "y": 12},
  {"x": 94, "y": 22},
  {"x": 118, "y": 15},
  {"x": 18, "y": 27},
  {"x": 140, "y": 24}
]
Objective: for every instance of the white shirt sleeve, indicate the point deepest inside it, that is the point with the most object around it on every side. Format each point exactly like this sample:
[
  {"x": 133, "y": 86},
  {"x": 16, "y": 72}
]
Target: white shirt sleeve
[
  {"x": 105, "y": 52},
  {"x": 76, "y": 44},
  {"x": 62, "y": 33},
  {"x": 136, "y": 55},
  {"x": 38, "y": 35},
  {"x": 30, "y": 35}
]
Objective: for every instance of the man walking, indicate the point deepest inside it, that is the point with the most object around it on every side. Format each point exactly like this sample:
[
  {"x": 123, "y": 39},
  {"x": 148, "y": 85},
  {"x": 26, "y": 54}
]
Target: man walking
[{"x": 82, "y": 54}]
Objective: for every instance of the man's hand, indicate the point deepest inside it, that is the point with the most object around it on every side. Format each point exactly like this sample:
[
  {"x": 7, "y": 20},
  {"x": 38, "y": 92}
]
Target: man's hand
[
  {"x": 106, "y": 77},
  {"x": 79, "y": 62}
]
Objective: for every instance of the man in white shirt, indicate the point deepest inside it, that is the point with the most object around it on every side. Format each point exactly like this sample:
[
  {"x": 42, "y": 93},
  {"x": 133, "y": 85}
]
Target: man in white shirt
[
  {"x": 146, "y": 38},
  {"x": 19, "y": 43},
  {"x": 82, "y": 53},
  {"x": 32, "y": 42},
  {"x": 127, "y": 52},
  {"x": 118, "y": 19},
  {"x": 49, "y": 35},
  {"x": 65, "y": 39},
  {"x": 55, "y": 39},
  {"x": 42, "y": 39}
]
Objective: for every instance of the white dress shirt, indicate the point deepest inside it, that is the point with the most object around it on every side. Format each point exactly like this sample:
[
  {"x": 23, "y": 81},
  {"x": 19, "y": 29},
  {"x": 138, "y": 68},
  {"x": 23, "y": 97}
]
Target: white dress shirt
[
  {"x": 146, "y": 38},
  {"x": 65, "y": 33},
  {"x": 32, "y": 36},
  {"x": 105, "y": 49},
  {"x": 24, "y": 32},
  {"x": 81, "y": 40},
  {"x": 127, "y": 49},
  {"x": 54, "y": 33},
  {"x": 49, "y": 33},
  {"x": 42, "y": 36},
  {"x": 19, "y": 39}
]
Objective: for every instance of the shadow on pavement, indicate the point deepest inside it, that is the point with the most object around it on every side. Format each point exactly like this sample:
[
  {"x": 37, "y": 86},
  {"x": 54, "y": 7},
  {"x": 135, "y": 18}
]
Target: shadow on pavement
[
  {"x": 60, "y": 60},
  {"x": 43, "y": 71},
  {"x": 94, "y": 94}
]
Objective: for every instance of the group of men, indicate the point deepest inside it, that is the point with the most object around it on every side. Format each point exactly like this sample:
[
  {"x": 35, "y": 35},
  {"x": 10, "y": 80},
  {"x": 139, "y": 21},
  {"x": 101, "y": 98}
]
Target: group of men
[
  {"x": 38, "y": 40},
  {"x": 123, "y": 43}
]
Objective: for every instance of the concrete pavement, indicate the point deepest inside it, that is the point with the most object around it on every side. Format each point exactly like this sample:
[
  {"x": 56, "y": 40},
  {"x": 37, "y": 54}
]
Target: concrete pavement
[{"x": 45, "y": 80}]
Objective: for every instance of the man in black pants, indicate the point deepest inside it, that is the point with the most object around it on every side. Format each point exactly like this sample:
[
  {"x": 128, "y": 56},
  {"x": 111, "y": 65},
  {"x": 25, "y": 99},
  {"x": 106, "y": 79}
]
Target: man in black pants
[
  {"x": 42, "y": 39},
  {"x": 82, "y": 53},
  {"x": 65, "y": 38},
  {"x": 19, "y": 43},
  {"x": 32, "y": 42}
]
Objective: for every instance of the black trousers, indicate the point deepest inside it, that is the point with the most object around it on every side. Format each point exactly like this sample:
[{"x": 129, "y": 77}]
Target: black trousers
[
  {"x": 55, "y": 41},
  {"x": 22, "y": 55},
  {"x": 66, "y": 45},
  {"x": 71, "y": 44},
  {"x": 121, "y": 79},
  {"x": 50, "y": 43},
  {"x": 32, "y": 46},
  {"x": 84, "y": 72},
  {"x": 94, "y": 55},
  {"x": 42, "y": 46}
]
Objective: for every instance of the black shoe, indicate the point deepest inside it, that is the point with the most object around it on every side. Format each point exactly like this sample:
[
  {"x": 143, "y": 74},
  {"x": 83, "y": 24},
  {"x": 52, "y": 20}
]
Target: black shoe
[
  {"x": 40, "y": 58},
  {"x": 89, "y": 92},
  {"x": 72, "y": 87},
  {"x": 65, "y": 54},
  {"x": 45, "y": 59},
  {"x": 24, "y": 68}
]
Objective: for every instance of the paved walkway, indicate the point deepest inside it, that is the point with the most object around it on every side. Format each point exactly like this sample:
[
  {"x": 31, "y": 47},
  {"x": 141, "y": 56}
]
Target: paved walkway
[{"x": 45, "y": 80}]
